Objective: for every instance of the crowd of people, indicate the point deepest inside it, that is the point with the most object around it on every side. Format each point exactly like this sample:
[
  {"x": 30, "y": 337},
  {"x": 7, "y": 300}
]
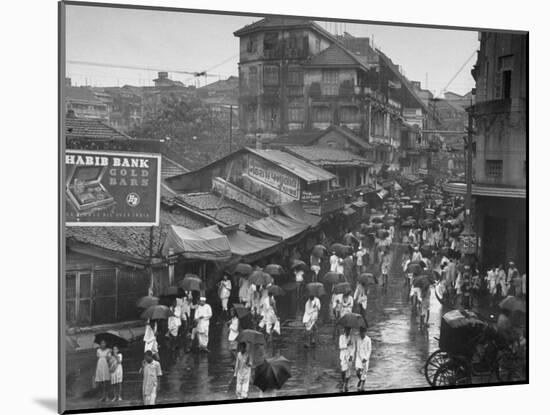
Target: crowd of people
[{"x": 425, "y": 222}]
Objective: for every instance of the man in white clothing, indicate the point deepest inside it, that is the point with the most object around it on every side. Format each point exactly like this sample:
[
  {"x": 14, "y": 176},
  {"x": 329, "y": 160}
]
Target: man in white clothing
[
  {"x": 311, "y": 314},
  {"x": 362, "y": 357},
  {"x": 346, "y": 346},
  {"x": 203, "y": 313}
]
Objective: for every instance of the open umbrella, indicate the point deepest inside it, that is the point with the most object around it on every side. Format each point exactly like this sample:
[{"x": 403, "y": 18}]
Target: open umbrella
[
  {"x": 422, "y": 281},
  {"x": 298, "y": 264},
  {"x": 332, "y": 277},
  {"x": 243, "y": 269},
  {"x": 191, "y": 282},
  {"x": 353, "y": 320},
  {"x": 112, "y": 338},
  {"x": 251, "y": 336},
  {"x": 275, "y": 290},
  {"x": 272, "y": 373},
  {"x": 156, "y": 312},
  {"x": 147, "y": 301},
  {"x": 318, "y": 251},
  {"x": 274, "y": 270},
  {"x": 259, "y": 277},
  {"x": 414, "y": 268},
  {"x": 241, "y": 310},
  {"x": 513, "y": 304},
  {"x": 340, "y": 249},
  {"x": 342, "y": 288},
  {"x": 316, "y": 289},
  {"x": 366, "y": 278}
]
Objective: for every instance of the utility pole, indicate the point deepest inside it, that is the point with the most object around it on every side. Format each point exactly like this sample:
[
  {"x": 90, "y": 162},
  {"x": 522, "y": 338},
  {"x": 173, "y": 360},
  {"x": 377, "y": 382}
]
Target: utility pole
[
  {"x": 468, "y": 237},
  {"x": 230, "y": 126}
]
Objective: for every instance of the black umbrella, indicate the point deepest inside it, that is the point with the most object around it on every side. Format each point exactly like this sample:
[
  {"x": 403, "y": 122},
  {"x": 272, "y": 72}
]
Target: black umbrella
[
  {"x": 513, "y": 304},
  {"x": 156, "y": 312},
  {"x": 353, "y": 320},
  {"x": 112, "y": 338},
  {"x": 298, "y": 264},
  {"x": 423, "y": 281},
  {"x": 251, "y": 336},
  {"x": 316, "y": 289},
  {"x": 290, "y": 286},
  {"x": 147, "y": 301},
  {"x": 340, "y": 249},
  {"x": 342, "y": 288},
  {"x": 243, "y": 269},
  {"x": 318, "y": 251},
  {"x": 275, "y": 290},
  {"x": 272, "y": 373},
  {"x": 170, "y": 292},
  {"x": 274, "y": 270},
  {"x": 191, "y": 282},
  {"x": 332, "y": 277},
  {"x": 366, "y": 278},
  {"x": 259, "y": 277}
]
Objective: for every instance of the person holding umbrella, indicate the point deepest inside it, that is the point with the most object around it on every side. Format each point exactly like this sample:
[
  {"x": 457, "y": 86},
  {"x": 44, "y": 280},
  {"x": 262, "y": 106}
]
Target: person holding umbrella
[
  {"x": 102, "y": 372},
  {"x": 233, "y": 330},
  {"x": 311, "y": 315},
  {"x": 203, "y": 314},
  {"x": 360, "y": 297},
  {"x": 150, "y": 338},
  {"x": 243, "y": 368},
  {"x": 269, "y": 315},
  {"x": 362, "y": 357},
  {"x": 347, "y": 351}
]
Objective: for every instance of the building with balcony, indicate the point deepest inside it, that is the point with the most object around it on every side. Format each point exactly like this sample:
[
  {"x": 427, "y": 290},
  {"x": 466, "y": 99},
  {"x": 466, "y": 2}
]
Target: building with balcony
[
  {"x": 296, "y": 76},
  {"x": 500, "y": 117},
  {"x": 84, "y": 103}
]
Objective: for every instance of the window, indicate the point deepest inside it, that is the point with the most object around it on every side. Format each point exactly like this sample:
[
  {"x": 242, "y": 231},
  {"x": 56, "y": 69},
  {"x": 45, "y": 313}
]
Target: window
[
  {"x": 503, "y": 79},
  {"x": 349, "y": 115},
  {"x": 253, "y": 78},
  {"x": 329, "y": 82},
  {"x": 321, "y": 114},
  {"x": 270, "y": 41},
  {"x": 252, "y": 45},
  {"x": 271, "y": 75},
  {"x": 296, "y": 114},
  {"x": 295, "y": 76},
  {"x": 493, "y": 168}
]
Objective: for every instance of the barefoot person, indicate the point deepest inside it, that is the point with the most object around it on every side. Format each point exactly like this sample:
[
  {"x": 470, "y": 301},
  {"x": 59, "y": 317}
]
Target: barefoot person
[
  {"x": 243, "y": 368},
  {"x": 347, "y": 352},
  {"x": 203, "y": 314},
  {"x": 311, "y": 315},
  {"x": 362, "y": 357},
  {"x": 116, "y": 374},
  {"x": 151, "y": 371},
  {"x": 102, "y": 372}
]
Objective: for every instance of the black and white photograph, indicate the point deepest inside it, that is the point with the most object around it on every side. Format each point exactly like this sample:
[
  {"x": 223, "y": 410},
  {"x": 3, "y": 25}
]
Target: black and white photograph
[{"x": 259, "y": 207}]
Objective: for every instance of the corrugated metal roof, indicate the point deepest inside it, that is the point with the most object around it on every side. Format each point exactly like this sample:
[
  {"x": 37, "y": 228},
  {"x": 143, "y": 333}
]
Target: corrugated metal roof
[
  {"x": 328, "y": 156},
  {"x": 304, "y": 170}
]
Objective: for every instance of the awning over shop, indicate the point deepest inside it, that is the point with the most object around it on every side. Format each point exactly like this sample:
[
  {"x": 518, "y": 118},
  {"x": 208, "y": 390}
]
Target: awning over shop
[
  {"x": 248, "y": 247},
  {"x": 295, "y": 211},
  {"x": 206, "y": 244},
  {"x": 277, "y": 227}
]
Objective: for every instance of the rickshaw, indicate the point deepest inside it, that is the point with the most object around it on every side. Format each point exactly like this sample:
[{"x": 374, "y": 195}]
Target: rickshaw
[{"x": 468, "y": 346}]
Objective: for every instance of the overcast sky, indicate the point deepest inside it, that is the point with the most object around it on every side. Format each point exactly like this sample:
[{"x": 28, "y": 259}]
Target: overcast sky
[{"x": 192, "y": 42}]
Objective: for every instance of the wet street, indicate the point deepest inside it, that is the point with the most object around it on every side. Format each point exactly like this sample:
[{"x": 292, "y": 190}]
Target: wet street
[{"x": 400, "y": 349}]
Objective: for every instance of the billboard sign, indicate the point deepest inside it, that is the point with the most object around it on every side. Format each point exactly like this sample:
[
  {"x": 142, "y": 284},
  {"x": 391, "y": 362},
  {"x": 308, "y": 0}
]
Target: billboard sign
[{"x": 105, "y": 188}]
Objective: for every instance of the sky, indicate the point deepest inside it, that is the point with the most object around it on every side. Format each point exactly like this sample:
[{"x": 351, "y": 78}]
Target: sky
[{"x": 192, "y": 42}]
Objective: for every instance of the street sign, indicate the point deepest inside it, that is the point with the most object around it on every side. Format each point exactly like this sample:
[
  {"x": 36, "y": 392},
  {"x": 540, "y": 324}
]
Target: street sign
[{"x": 112, "y": 188}]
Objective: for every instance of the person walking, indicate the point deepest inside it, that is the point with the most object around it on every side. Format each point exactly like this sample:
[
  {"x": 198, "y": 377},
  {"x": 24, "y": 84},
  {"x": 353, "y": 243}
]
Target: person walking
[
  {"x": 243, "y": 369},
  {"x": 268, "y": 312},
  {"x": 115, "y": 368},
  {"x": 360, "y": 298},
  {"x": 362, "y": 357},
  {"x": 311, "y": 315},
  {"x": 224, "y": 292},
  {"x": 150, "y": 338},
  {"x": 102, "y": 373},
  {"x": 346, "y": 306},
  {"x": 315, "y": 266},
  {"x": 203, "y": 314},
  {"x": 346, "y": 346},
  {"x": 234, "y": 328},
  {"x": 385, "y": 270},
  {"x": 151, "y": 371},
  {"x": 244, "y": 294}
]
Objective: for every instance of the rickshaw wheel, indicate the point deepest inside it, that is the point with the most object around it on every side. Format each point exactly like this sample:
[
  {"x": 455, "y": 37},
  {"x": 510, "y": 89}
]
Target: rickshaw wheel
[
  {"x": 436, "y": 360},
  {"x": 452, "y": 374}
]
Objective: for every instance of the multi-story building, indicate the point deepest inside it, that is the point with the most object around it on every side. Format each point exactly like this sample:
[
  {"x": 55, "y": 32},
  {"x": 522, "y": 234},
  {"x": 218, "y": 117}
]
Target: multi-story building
[
  {"x": 500, "y": 117},
  {"x": 84, "y": 103},
  {"x": 296, "y": 76}
]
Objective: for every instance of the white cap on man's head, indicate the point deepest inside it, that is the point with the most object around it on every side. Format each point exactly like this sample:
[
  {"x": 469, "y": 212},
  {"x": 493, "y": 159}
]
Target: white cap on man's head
[{"x": 202, "y": 299}]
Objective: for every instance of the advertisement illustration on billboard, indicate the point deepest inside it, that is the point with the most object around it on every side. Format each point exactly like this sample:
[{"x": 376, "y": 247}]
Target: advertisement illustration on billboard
[{"x": 111, "y": 188}]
